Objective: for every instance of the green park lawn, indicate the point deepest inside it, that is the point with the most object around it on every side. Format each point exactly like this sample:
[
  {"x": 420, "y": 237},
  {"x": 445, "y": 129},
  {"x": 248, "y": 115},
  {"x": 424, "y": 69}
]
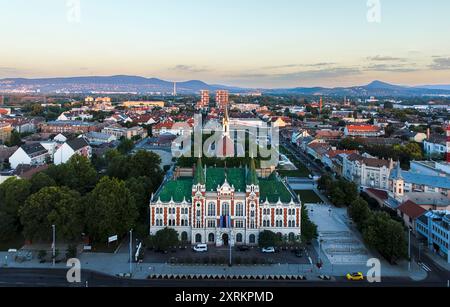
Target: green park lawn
[{"x": 308, "y": 196}]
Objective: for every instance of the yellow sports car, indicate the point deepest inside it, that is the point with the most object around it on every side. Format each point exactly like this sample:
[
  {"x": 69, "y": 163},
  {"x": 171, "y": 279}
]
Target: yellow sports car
[{"x": 355, "y": 276}]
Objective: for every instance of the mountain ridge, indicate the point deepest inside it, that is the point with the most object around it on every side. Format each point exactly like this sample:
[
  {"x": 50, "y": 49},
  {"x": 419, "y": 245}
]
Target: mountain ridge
[{"x": 139, "y": 84}]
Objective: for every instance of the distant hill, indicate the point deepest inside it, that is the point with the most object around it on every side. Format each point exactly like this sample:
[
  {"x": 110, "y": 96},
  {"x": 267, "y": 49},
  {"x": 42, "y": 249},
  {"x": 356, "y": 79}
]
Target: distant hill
[
  {"x": 375, "y": 88},
  {"x": 120, "y": 83},
  {"x": 435, "y": 87},
  {"x": 141, "y": 85}
]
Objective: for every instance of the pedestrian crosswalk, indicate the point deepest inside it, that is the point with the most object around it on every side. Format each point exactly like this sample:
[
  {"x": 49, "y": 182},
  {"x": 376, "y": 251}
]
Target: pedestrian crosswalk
[{"x": 424, "y": 267}]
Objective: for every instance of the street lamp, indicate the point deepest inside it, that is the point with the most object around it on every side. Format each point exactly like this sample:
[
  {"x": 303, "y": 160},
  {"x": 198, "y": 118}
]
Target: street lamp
[
  {"x": 409, "y": 249},
  {"x": 54, "y": 244},
  {"x": 131, "y": 251}
]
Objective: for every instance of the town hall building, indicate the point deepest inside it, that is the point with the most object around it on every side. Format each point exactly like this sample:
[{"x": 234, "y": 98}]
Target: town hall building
[{"x": 226, "y": 206}]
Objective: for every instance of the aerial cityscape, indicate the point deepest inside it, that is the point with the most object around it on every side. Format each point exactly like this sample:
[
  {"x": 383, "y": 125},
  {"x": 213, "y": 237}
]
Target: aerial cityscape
[{"x": 263, "y": 150}]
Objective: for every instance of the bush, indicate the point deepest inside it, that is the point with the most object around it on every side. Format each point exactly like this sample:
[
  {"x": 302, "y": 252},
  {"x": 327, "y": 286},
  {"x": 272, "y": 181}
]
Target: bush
[
  {"x": 42, "y": 254},
  {"x": 71, "y": 251}
]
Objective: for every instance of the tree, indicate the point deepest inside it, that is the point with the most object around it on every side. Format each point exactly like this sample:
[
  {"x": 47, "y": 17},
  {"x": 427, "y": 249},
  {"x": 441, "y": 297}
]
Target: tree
[
  {"x": 13, "y": 193},
  {"x": 111, "y": 209},
  {"x": 309, "y": 229},
  {"x": 325, "y": 182},
  {"x": 14, "y": 140},
  {"x": 57, "y": 206},
  {"x": 125, "y": 146},
  {"x": 165, "y": 238},
  {"x": 8, "y": 226},
  {"x": 77, "y": 174},
  {"x": 141, "y": 189},
  {"x": 41, "y": 180},
  {"x": 359, "y": 211},
  {"x": 81, "y": 175},
  {"x": 145, "y": 163},
  {"x": 268, "y": 238},
  {"x": 387, "y": 236}
]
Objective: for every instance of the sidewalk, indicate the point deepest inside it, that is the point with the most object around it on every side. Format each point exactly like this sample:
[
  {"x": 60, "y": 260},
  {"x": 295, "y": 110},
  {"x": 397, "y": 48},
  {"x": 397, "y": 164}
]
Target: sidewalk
[{"x": 114, "y": 264}]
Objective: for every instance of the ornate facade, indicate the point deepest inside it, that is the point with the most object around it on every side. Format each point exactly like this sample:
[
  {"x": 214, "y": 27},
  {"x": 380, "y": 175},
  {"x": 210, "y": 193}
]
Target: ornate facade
[{"x": 220, "y": 206}]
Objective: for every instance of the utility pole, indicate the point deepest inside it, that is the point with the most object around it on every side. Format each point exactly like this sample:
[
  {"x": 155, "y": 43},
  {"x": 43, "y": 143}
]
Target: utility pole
[
  {"x": 54, "y": 244},
  {"x": 409, "y": 249},
  {"x": 131, "y": 251},
  {"x": 230, "y": 243}
]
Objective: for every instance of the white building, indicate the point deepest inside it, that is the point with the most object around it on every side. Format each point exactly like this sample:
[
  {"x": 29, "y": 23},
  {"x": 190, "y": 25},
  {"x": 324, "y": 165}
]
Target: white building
[
  {"x": 30, "y": 154},
  {"x": 367, "y": 172},
  {"x": 78, "y": 146}
]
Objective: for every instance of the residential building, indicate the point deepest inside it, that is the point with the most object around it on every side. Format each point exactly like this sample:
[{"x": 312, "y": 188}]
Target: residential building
[
  {"x": 222, "y": 99},
  {"x": 225, "y": 206},
  {"x": 363, "y": 131},
  {"x": 402, "y": 182},
  {"x": 128, "y": 133},
  {"x": 204, "y": 99},
  {"x": 98, "y": 138},
  {"x": 29, "y": 154},
  {"x": 69, "y": 127},
  {"x": 434, "y": 227},
  {"x": 435, "y": 145},
  {"x": 132, "y": 104},
  {"x": 5, "y": 132},
  {"x": 367, "y": 172},
  {"x": 78, "y": 146},
  {"x": 410, "y": 212}
]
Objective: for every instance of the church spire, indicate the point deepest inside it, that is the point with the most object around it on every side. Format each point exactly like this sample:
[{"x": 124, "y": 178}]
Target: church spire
[
  {"x": 199, "y": 177},
  {"x": 252, "y": 178}
]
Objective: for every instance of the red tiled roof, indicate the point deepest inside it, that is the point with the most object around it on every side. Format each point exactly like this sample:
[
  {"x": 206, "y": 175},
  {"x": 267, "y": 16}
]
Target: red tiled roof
[
  {"x": 334, "y": 153},
  {"x": 383, "y": 195},
  {"x": 365, "y": 128},
  {"x": 411, "y": 209}
]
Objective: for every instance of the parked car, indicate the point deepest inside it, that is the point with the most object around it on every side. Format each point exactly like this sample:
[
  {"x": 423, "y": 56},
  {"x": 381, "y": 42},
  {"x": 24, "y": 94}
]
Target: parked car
[
  {"x": 243, "y": 248},
  {"x": 200, "y": 248},
  {"x": 355, "y": 276},
  {"x": 268, "y": 250},
  {"x": 325, "y": 277}
]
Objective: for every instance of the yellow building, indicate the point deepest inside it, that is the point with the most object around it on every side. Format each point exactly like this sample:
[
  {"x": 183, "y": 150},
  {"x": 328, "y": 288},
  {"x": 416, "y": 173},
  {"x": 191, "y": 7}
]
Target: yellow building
[
  {"x": 131, "y": 104},
  {"x": 5, "y": 132}
]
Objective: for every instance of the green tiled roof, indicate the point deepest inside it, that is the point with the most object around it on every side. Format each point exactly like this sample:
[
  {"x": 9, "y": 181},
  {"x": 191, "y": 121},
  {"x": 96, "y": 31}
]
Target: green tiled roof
[
  {"x": 270, "y": 188},
  {"x": 216, "y": 177},
  {"x": 273, "y": 189},
  {"x": 252, "y": 175},
  {"x": 177, "y": 189}
]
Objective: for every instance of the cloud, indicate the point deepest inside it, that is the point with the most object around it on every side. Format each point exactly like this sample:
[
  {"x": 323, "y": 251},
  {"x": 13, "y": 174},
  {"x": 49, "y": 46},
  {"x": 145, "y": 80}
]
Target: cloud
[
  {"x": 9, "y": 70},
  {"x": 298, "y": 65},
  {"x": 189, "y": 69},
  {"x": 390, "y": 68},
  {"x": 379, "y": 58},
  {"x": 440, "y": 63},
  {"x": 303, "y": 75}
]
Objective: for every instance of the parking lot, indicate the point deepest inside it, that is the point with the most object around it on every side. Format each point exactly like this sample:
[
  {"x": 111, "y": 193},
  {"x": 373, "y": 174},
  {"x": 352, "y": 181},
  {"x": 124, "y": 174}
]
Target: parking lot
[{"x": 221, "y": 256}]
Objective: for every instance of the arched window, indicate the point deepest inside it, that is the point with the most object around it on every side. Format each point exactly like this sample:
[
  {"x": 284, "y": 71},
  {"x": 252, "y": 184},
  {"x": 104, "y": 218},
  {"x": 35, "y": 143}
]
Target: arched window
[
  {"x": 225, "y": 209},
  {"x": 239, "y": 238},
  {"x": 211, "y": 238},
  {"x": 252, "y": 239},
  {"x": 198, "y": 238},
  {"x": 184, "y": 236}
]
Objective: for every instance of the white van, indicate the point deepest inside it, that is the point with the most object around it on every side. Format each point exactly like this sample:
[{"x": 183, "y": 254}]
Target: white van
[{"x": 200, "y": 248}]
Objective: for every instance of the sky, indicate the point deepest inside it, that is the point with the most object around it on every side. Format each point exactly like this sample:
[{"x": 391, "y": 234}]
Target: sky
[{"x": 248, "y": 43}]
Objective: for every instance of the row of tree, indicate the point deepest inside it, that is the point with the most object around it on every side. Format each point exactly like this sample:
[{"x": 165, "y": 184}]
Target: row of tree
[
  {"x": 76, "y": 199},
  {"x": 403, "y": 153},
  {"x": 380, "y": 231}
]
